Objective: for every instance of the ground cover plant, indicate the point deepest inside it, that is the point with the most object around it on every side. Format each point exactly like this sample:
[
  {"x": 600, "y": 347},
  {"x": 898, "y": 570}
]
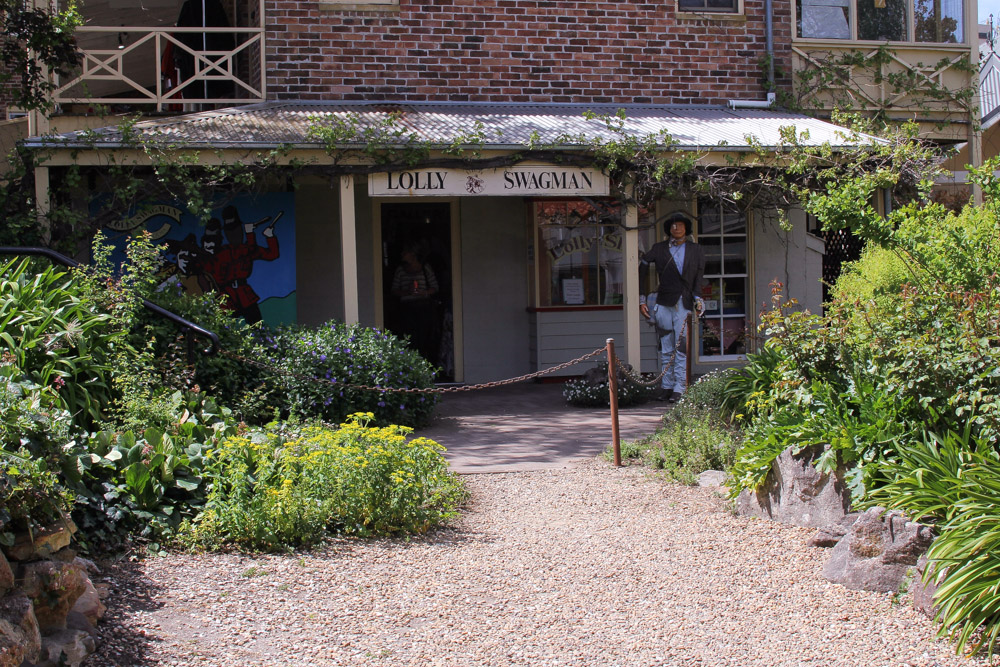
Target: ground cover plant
[
  {"x": 588, "y": 392},
  {"x": 279, "y": 489},
  {"x": 696, "y": 434}
]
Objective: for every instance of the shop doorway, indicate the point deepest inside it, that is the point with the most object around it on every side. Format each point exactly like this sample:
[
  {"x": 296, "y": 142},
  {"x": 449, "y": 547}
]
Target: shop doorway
[{"x": 417, "y": 299}]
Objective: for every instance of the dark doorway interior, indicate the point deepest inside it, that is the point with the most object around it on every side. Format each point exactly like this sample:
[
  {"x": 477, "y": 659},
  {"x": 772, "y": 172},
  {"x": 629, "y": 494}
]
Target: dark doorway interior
[{"x": 416, "y": 255}]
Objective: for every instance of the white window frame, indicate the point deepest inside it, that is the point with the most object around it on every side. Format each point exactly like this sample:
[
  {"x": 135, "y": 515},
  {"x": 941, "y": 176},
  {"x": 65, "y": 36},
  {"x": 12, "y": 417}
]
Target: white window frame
[{"x": 721, "y": 316}]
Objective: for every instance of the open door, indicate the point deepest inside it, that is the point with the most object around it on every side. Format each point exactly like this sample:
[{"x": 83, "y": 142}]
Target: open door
[{"x": 417, "y": 298}]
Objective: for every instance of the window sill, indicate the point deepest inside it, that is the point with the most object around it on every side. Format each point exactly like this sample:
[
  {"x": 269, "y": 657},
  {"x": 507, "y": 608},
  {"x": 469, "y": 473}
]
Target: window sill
[
  {"x": 868, "y": 43},
  {"x": 732, "y": 17},
  {"x": 563, "y": 309},
  {"x": 338, "y": 6}
]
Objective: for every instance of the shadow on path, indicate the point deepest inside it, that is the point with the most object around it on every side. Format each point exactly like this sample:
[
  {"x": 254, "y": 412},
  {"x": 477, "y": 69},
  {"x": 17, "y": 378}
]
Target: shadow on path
[{"x": 528, "y": 426}]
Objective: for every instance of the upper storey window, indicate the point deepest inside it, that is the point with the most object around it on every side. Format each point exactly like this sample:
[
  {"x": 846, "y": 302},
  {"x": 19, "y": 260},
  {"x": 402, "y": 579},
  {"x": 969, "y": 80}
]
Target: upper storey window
[
  {"x": 709, "y": 6},
  {"x": 934, "y": 21}
]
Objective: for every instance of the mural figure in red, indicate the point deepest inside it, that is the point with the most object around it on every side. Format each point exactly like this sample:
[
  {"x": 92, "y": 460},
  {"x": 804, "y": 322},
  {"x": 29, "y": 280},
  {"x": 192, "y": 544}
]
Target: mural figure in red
[{"x": 231, "y": 264}]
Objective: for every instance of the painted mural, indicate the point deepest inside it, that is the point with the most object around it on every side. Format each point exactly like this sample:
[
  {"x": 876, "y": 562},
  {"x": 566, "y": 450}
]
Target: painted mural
[{"x": 246, "y": 251}]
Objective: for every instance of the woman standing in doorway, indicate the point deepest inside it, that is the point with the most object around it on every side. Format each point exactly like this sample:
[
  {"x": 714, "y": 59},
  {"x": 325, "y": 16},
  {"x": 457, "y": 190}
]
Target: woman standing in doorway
[{"x": 414, "y": 283}]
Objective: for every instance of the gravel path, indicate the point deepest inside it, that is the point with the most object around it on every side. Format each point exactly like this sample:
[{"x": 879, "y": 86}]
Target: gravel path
[{"x": 589, "y": 565}]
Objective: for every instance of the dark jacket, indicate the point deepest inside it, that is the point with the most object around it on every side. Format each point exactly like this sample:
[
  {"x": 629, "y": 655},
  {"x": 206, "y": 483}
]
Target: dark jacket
[{"x": 673, "y": 284}]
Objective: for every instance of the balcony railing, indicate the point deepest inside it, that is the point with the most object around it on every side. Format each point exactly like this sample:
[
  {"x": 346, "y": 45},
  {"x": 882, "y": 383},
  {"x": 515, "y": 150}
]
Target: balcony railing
[
  {"x": 929, "y": 83},
  {"x": 138, "y": 68}
]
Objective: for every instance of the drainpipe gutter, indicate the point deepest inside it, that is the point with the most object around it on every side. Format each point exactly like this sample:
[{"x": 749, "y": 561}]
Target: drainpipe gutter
[
  {"x": 769, "y": 33},
  {"x": 753, "y": 104}
]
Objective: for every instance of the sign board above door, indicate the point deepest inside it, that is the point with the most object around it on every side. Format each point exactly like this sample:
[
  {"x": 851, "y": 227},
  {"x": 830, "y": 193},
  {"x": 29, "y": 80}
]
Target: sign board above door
[{"x": 516, "y": 181}]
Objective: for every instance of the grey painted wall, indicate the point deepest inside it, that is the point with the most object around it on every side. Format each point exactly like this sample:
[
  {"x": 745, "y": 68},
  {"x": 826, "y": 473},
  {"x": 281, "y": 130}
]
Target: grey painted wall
[
  {"x": 494, "y": 288},
  {"x": 318, "y": 271},
  {"x": 795, "y": 258}
]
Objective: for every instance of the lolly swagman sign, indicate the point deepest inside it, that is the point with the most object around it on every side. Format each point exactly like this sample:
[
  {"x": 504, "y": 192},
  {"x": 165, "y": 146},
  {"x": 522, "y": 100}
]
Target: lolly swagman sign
[{"x": 518, "y": 181}]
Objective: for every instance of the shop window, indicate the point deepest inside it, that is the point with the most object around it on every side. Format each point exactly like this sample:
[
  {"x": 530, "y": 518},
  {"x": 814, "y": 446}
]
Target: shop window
[
  {"x": 937, "y": 21},
  {"x": 722, "y": 232},
  {"x": 579, "y": 250},
  {"x": 709, "y": 6}
]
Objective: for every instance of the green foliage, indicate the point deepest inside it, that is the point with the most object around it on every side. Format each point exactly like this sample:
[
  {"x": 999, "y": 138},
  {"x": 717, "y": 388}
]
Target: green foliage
[
  {"x": 586, "y": 393},
  {"x": 146, "y": 484},
  {"x": 693, "y": 437},
  {"x": 57, "y": 337},
  {"x": 953, "y": 481},
  {"x": 827, "y": 82},
  {"x": 34, "y": 40},
  {"x": 322, "y": 366},
  {"x": 242, "y": 386},
  {"x": 274, "y": 491},
  {"x": 34, "y": 432}
]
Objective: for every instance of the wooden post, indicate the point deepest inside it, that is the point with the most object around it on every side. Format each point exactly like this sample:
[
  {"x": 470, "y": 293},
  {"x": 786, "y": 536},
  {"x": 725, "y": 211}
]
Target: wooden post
[{"x": 613, "y": 398}]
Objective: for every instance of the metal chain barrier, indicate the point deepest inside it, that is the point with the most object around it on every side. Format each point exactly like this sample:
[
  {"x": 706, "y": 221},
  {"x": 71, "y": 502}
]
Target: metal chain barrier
[{"x": 405, "y": 390}]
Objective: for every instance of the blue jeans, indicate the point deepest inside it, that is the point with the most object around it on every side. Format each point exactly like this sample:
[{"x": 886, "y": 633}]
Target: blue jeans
[{"x": 670, "y": 321}]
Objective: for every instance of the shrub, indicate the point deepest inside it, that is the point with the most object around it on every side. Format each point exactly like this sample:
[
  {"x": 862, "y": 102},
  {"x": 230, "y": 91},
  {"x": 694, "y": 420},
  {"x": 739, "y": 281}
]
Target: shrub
[
  {"x": 242, "y": 386},
  {"x": 146, "y": 484},
  {"x": 589, "y": 393},
  {"x": 34, "y": 430},
  {"x": 55, "y": 336},
  {"x": 273, "y": 491},
  {"x": 693, "y": 438},
  {"x": 321, "y": 368}
]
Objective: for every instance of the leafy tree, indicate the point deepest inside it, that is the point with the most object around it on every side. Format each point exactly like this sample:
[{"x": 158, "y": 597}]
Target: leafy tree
[{"x": 35, "y": 43}]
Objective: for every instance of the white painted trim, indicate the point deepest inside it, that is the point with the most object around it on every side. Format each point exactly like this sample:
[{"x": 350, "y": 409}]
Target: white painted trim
[
  {"x": 349, "y": 250},
  {"x": 631, "y": 288}
]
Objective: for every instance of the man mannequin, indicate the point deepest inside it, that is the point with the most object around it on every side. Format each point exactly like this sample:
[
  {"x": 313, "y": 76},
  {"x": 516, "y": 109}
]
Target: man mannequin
[{"x": 680, "y": 266}]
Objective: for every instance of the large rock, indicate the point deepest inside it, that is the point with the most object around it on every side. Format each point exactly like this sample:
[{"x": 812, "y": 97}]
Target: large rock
[
  {"x": 54, "y": 588},
  {"x": 877, "y": 552},
  {"x": 89, "y": 604},
  {"x": 6, "y": 575},
  {"x": 66, "y": 648},
  {"x": 44, "y": 542},
  {"x": 796, "y": 493},
  {"x": 923, "y": 593},
  {"x": 20, "y": 640}
]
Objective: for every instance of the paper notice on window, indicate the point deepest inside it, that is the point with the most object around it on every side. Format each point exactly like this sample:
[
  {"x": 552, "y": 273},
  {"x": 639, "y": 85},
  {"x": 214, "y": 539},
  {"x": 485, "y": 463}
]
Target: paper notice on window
[{"x": 572, "y": 289}]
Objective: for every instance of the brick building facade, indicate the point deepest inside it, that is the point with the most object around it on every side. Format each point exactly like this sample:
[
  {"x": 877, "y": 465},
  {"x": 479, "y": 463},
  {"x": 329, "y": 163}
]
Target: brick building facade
[{"x": 523, "y": 51}]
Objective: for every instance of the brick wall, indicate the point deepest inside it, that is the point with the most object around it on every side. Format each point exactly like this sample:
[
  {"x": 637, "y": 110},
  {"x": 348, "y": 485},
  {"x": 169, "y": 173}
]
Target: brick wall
[{"x": 521, "y": 51}]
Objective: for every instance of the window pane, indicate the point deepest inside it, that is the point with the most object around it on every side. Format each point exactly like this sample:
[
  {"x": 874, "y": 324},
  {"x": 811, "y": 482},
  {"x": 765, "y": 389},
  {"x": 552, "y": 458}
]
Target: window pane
[
  {"x": 712, "y": 294},
  {"x": 710, "y": 336},
  {"x": 824, "y": 19},
  {"x": 734, "y": 331},
  {"x": 734, "y": 222},
  {"x": 709, "y": 220},
  {"x": 938, "y": 21},
  {"x": 735, "y": 256},
  {"x": 713, "y": 254},
  {"x": 882, "y": 20},
  {"x": 734, "y": 292}
]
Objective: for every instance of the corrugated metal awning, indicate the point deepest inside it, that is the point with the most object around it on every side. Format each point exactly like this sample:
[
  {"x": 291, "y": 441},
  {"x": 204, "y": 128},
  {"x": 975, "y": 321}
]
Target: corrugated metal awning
[{"x": 491, "y": 126}]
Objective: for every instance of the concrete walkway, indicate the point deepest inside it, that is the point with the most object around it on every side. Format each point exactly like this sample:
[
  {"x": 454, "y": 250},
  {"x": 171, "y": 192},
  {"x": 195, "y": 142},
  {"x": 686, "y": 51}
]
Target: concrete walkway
[{"x": 528, "y": 426}]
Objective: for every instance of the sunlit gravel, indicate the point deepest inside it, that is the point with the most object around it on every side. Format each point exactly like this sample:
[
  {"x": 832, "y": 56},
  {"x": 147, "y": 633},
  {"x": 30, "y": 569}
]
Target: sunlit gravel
[{"x": 589, "y": 565}]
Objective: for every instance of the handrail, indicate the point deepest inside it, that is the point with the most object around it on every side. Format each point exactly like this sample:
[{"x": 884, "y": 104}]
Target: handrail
[{"x": 188, "y": 325}]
